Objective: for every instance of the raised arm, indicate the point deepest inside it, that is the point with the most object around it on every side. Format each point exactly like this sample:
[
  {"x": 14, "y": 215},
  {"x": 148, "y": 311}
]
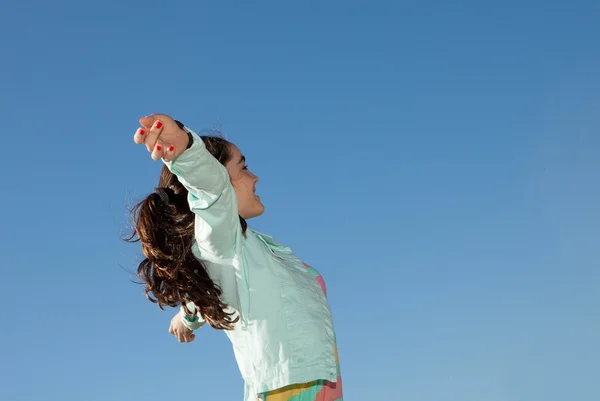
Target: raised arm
[{"x": 211, "y": 196}]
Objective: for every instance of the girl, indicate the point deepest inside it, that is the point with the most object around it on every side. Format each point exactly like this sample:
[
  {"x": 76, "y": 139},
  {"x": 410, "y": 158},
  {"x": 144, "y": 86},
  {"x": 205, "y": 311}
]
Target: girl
[{"x": 201, "y": 255}]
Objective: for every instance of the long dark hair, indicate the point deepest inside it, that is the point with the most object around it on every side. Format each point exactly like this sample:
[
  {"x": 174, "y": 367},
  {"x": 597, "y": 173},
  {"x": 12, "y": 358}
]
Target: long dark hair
[{"x": 170, "y": 272}]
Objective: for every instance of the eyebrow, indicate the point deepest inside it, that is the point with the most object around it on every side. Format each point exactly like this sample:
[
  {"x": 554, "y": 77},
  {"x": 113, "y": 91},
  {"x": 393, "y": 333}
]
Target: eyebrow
[{"x": 242, "y": 160}]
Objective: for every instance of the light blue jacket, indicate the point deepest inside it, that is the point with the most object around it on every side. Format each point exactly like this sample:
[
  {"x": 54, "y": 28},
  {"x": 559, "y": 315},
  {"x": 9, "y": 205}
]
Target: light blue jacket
[{"x": 285, "y": 334}]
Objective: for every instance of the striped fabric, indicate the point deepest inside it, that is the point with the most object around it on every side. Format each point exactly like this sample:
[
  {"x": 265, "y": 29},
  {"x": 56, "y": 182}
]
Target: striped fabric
[{"x": 320, "y": 390}]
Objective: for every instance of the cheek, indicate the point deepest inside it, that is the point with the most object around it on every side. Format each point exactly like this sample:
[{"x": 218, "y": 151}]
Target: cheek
[
  {"x": 247, "y": 185},
  {"x": 243, "y": 186},
  {"x": 242, "y": 192}
]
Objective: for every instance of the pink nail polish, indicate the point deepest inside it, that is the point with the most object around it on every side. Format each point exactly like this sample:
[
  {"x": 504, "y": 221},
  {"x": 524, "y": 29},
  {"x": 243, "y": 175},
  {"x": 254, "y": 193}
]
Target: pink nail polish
[
  {"x": 158, "y": 124},
  {"x": 141, "y": 131},
  {"x": 158, "y": 147},
  {"x": 171, "y": 148}
]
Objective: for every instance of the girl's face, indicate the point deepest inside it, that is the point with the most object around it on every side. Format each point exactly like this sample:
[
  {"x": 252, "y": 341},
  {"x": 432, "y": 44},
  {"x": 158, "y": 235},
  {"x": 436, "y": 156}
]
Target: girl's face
[{"x": 244, "y": 184}]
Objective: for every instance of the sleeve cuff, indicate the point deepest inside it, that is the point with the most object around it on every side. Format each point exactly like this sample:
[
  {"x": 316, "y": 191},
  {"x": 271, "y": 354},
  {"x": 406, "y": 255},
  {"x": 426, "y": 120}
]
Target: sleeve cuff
[{"x": 191, "y": 322}]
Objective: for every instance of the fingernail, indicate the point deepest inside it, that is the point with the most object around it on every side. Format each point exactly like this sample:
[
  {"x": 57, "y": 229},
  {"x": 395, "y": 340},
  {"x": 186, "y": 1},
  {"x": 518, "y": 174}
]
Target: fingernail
[
  {"x": 158, "y": 147},
  {"x": 171, "y": 148},
  {"x": 158, "y": 124},
  {"x": 141, "y": 131}
]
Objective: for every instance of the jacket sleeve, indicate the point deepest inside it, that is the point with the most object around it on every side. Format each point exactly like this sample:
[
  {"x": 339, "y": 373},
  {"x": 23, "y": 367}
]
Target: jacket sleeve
[
  {"x": 191, "y": 322},
  {"x": 212, "y": 199}
]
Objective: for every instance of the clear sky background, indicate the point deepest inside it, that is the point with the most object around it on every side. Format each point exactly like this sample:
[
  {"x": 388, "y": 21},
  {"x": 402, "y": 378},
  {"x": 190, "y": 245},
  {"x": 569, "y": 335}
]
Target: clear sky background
[{"x": 438, "y": 162}]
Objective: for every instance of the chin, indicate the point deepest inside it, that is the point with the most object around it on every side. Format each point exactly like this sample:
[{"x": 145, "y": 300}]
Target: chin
[
  {"x": 254, "y": 213},
  {"x": 258, "y": 212}
]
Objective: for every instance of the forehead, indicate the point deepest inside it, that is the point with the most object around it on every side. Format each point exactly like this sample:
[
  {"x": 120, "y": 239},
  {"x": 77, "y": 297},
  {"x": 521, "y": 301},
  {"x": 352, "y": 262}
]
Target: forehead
[
  {"x": 235, "y": 156},
  {"x": 235, "y": 152}
]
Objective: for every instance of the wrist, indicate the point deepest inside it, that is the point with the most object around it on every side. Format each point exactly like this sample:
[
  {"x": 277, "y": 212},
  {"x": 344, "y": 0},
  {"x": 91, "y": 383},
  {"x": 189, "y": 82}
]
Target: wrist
[{"x": 190, "y": 138}]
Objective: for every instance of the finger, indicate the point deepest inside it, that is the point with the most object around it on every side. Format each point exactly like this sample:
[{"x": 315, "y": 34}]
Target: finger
[
  {"x": 169, "y": 153},
  {"x": 182, "y": 334},
  {"x": 153, "y": 135},
  {"x": 187, "y": 338},
  {"x": 140, "y": 136},
  {"x": 159, "y": 151},
  {"x": 148, "y": 121}
]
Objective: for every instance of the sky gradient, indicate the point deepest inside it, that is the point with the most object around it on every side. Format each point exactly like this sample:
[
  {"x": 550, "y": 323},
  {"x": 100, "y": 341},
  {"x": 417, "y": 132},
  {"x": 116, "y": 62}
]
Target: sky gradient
[{"x": 438, "y": 163}]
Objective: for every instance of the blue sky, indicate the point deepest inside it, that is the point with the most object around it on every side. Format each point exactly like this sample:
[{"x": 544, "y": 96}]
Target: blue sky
[{"x": 438, "y": 162}]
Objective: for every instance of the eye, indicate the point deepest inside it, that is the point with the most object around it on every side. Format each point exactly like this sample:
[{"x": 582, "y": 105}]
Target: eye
[{"x": 245, "y": 167}]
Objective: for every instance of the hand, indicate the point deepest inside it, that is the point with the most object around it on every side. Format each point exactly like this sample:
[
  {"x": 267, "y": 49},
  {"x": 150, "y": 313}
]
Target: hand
[
  {"x": 162, "y": 136},
  {"x": 177, "y": 328}
]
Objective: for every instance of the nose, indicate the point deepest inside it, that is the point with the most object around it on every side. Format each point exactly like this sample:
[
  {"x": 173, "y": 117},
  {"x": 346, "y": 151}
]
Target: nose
[{"x": 255, "y": 179}]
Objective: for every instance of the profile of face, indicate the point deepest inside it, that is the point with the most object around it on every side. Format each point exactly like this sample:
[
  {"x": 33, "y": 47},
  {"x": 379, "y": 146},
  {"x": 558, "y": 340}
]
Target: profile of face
[{"x": 244, "y": 184}]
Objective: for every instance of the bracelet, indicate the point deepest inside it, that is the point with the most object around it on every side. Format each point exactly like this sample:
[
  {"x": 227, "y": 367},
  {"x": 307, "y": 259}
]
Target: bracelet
[
  {"x": 189, "y": 134},
  {"x": 192, "y": 319}
]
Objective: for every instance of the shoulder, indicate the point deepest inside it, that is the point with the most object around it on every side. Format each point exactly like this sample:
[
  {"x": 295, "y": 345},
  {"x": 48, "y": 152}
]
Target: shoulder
[{"x": 268, "y": 241}]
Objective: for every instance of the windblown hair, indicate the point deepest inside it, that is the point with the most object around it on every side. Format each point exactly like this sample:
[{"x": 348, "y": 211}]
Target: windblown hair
[{"x": 172, "y": 275}]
